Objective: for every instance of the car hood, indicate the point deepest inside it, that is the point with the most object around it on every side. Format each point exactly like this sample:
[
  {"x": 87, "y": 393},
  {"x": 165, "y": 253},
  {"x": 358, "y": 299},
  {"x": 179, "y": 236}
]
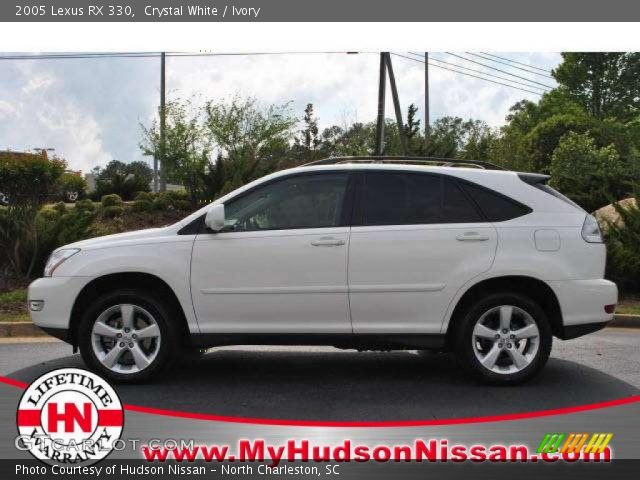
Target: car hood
[{"x": 136, "y": 237}]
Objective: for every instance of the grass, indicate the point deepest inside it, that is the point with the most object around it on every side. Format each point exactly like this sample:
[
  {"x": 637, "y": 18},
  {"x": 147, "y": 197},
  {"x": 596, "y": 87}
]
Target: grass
[
  {"x": 13, "y": 297},
  {"x": 628, "y": 308},
  {"x": 14, "y": 317}
]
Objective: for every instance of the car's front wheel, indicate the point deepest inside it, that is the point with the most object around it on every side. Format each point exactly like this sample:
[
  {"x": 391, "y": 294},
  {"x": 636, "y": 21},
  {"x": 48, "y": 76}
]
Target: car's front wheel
[
  {"x": 127, "y": 336},
  {"x": 504, "y": 338}
]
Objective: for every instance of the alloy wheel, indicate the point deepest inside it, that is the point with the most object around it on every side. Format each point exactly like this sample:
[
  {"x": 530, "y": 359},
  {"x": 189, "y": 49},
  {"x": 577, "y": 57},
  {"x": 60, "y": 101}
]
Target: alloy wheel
[
  {"x": 125, "y": 338},
  {"x": 505, "y": 339}
]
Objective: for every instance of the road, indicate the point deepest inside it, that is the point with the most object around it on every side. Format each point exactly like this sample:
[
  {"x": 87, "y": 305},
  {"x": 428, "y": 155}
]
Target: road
[{"x": 318, "y": 383}]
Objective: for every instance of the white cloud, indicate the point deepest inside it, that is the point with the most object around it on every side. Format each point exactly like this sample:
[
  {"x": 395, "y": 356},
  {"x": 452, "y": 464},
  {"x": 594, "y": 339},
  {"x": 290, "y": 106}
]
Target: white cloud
[{"x": 89, "y": 110}]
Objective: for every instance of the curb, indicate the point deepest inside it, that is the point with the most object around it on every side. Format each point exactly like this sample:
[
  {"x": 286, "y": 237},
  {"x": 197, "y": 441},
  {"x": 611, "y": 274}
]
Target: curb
[
  {"x": 625, "y": 320},
  {"x": 28, "y": 329},
  {"x": 20, "y": 329}
]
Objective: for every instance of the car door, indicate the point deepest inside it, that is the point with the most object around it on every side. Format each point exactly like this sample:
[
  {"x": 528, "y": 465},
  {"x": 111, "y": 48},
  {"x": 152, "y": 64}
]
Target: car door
[
  {"x": 280, "y": 263},
  {"x": 416, "y": 239}
]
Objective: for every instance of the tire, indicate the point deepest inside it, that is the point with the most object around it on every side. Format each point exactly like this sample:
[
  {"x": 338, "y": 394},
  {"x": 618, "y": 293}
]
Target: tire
[
  {"x": 513, "y": 357},
  {"x": 128, "y": 356}
]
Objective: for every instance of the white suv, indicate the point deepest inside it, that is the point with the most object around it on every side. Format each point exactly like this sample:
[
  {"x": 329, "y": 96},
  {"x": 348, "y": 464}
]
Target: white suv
[{"x": 366, "y": 253}]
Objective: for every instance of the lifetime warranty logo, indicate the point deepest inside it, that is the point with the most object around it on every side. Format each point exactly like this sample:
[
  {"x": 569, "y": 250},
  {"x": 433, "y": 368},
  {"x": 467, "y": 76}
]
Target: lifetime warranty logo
[
  {"x": 69, "y": 416},
  {"x": 574, "y": 442}
]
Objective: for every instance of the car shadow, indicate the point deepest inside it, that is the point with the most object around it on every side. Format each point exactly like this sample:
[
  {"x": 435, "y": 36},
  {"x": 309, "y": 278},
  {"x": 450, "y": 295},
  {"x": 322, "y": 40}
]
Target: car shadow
[{"x": 330, "y": 385}]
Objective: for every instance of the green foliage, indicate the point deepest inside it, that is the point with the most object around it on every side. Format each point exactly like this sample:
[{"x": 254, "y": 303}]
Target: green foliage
[
  {"x": 253, "y": 138},
  {"x": 112, "y": 211},
  {"x": 605, "y": 84},
  {"x": 587, "y": 174},
  {"x": 143, "y": 202},
  {"x": 85, "y": 205},
  {"x": 71, "y": 185},
  {"x": 111, "y": 200},
  {"x": 623, "y": 247},
  {"x": 13, "y": 296},
  {"x": 185, "y": 151},
  {"x": 27, "y": 179},
  {"x": 123, "y": 179},
  {"x": 56, "y": 227}
]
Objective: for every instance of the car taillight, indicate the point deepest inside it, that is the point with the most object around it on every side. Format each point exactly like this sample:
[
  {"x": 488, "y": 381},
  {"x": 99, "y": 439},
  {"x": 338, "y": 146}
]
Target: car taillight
[{"x": 591, "y": 230}]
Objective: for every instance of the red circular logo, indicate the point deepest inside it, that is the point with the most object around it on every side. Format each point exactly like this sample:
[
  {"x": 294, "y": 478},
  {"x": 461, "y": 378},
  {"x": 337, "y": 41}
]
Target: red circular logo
[{"x": 70, "y": 416}]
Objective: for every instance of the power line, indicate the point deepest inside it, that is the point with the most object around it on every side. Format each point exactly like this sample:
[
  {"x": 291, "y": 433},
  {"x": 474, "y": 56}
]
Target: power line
[
  {"x": 509, "y": 65},
  {"x": 484, "y": 73},
  {"x": 546, "y": 70},
  {"x": 468, "y": 74},
  {"x": 499, "y": 70},
  {"x": 60, "y": 56}
]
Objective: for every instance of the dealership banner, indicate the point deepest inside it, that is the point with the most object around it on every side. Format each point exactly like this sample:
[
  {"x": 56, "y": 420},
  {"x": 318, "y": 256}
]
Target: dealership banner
[
  {"x": 309, "y": 11},
  {"x": 71, "y": 423}
]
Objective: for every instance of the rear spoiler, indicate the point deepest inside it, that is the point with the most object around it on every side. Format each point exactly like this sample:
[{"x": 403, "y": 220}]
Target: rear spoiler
[{"x": 534, "y": 178}]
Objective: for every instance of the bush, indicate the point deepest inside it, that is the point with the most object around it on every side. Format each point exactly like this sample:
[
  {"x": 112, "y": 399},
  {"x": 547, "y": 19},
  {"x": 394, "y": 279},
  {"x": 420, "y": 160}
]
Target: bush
[
  {"x": 60, "y": 207},
  {"x": 72, "y": 187},
  {"x": 112, "y": 211},
  {"x": 55, "y": 228},
  {"x": 589, "y": 175},
  {"x": 111, "y": 200},
  {"x": 124, "y": 179},
  {"x": 623, "y": 247},
  {"x": 85, "y": 206},
  {"x": 27, "y": 180},
  {"x": 143, "y": 202}
]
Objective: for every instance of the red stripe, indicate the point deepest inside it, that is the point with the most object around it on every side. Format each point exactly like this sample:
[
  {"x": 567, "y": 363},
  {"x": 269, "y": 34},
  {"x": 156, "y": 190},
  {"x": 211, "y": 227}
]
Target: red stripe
[
  {"x": 110, "y": 418},
  {"x": 403, "y": 423},
  {"x": 28, "y": 418}
]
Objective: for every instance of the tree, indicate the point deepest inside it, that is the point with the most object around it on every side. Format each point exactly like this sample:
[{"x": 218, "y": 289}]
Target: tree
[
  {"x": 186, "y": 149},
  {"x": 605, "y": 84},
  {"x": 27, "y": 180},
  {"x": 123, "y": 179},
  {"x": 72, "y": 187},
  {"x": 585, "y": 173},
  {"x": 253, "y": 140}
]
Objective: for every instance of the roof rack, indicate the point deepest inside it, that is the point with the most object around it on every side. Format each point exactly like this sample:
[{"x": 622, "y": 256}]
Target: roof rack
[{"x": 435, "y": 161}]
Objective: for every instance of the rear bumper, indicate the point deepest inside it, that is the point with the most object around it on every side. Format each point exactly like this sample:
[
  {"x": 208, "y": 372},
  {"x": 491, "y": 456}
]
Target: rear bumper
[
  {"x": 575, "y": 331},
  {"x": 582, "y": 303}
]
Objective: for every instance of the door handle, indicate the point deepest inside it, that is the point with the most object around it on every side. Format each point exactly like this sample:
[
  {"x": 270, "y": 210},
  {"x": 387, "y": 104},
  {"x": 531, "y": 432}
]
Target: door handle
[
  {"x": 327, "y": 242},
  {"x": 472, "y": 237}
]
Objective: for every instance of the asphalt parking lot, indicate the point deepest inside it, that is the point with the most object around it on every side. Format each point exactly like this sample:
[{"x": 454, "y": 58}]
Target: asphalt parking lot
[{"x": 318, "y": 383}]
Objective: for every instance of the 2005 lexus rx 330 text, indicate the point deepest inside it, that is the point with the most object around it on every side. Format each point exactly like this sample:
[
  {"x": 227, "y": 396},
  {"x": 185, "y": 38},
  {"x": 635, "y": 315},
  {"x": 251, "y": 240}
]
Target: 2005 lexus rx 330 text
[{"x": 365, "y": 253}]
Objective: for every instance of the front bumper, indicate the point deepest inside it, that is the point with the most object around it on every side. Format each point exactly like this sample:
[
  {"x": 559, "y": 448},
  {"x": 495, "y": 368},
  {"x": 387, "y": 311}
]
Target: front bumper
[
  {"x": 582, "y": 304},
  {"x": 58, "y": 294}
]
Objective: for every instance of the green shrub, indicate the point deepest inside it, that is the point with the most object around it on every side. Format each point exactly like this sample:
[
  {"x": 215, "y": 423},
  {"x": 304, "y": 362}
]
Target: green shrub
[
  {"x": 60, "y": 207},
  {"x": 72, "y": 187},
  {"x": 27, "y": 180},
  {"x": 147, "y": 196},
  {"x": 55, "y": 229},
  {"x": 623, "y": 247},
  {"x": 86, "y": 206},
  {"x": 162, "y": 202},
  {"x": 111, "y": 200},
  {"x": 112, "y": 211},
  {"x": 589, "y": 175}
]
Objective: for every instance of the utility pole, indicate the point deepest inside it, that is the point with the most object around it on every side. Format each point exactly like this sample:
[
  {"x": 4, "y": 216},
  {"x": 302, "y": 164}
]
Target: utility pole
[
  {"x": 163, "y": 181},
  {"x": 381, "y": 101},
  {"x": 427, "y": 124},
  {"x": 396, "y": 105}
]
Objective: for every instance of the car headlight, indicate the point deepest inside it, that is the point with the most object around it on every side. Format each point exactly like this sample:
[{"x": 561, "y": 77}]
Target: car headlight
[{"x": 57, "y": 258}]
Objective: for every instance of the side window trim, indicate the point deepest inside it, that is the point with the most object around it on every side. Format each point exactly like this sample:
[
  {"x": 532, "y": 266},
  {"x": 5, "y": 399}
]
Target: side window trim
[
  {"x": 347, "y": 199},
  {"x": 524, "y": 208},
  {"x": 358, "y": 213}
]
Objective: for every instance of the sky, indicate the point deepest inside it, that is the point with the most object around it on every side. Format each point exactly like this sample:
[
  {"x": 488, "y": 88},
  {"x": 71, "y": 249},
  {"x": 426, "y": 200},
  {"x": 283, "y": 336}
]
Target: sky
[{"x": 90, "y": 110}]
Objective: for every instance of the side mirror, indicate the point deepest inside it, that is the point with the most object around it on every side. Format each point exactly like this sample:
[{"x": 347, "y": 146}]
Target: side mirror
[{"x": 214, "y": 219}]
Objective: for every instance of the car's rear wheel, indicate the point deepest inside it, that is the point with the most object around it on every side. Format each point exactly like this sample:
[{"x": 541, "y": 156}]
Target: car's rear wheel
[
  {"x": 504, "y": 338},
  {"x": 128, "y": 336}
]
